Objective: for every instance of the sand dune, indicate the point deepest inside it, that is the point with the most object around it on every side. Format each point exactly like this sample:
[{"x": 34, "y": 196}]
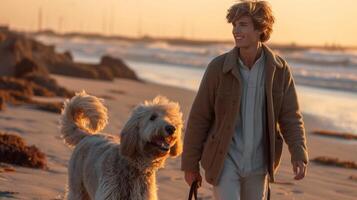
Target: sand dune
[{"x": 40, "y": 128}]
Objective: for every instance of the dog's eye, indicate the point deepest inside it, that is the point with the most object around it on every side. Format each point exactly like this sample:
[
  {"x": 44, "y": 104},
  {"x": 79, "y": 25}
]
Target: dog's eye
[{"x": 153, "y": 117}]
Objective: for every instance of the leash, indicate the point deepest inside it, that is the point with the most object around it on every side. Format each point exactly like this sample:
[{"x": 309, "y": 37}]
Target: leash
[{"x": 193, "y": 191}]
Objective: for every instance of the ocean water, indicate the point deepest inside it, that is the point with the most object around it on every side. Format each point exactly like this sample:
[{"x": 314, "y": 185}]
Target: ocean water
[
  {"x": 311, "y": 65},
  {"x": 184, "y": 66}
]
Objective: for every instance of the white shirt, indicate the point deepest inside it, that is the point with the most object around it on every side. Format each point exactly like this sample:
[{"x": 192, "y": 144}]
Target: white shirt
[{"x": 247, "y": 147}]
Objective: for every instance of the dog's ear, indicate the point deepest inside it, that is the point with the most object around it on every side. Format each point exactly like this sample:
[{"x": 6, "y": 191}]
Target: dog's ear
[
  {"x": 129, "y": 141},
  {"x": 176, "y": 150}
]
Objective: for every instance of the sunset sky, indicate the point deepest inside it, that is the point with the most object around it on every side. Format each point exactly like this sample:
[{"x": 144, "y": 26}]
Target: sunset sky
[{"x": 312, "y": 22}]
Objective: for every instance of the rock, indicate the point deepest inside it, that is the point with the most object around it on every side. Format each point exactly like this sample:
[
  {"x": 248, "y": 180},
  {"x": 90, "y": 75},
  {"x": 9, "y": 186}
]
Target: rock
[
  {"x": 47, "y": 83},
  {"x": 118, "y": 67},
  {"x": 15, "y": 85},
  {"x": 2, "y": 37},
  {"x": 20, "y": 54},
  {"x": 24, "y": 72},
  {"x": 68, "y": 55},
  {"x": 19, "y": 91},
  {"x": 4, "y": 28},
  {"x": 12, "y": 50},
  {"x": 15, "y": 91},
  {"x": 2, "y": 103},
  {"x": 27, "y": 66},
  {"x": 105, "y": 73}
]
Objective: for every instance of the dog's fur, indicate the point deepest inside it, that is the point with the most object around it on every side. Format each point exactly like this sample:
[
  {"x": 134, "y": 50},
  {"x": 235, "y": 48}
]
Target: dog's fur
[{"x": 108, "y": 167}]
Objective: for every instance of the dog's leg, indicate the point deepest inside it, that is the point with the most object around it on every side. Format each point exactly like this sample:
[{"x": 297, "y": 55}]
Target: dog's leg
[
  {"x": 77, "y": 194},
  {"x": 76, "y": 190},
  {"x": 152, "y": 188},
  {"x": 101, "y": 195}
]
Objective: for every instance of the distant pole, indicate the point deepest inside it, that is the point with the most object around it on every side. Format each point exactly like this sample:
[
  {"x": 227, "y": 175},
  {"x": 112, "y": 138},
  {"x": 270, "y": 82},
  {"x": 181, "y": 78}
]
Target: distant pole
[
  {"x": 159, "y": 30},
  {"x": 183, "y": 29},
  {"x": 117, "y": 19},
  {"x": 139, "y": 27},
  {"x": 60, "y": 23},
  {"x": 81, "y": 29},
  {"x": 163, "y": 31},
  {"x": 104, "y": 23},
  {"x": 192, "y": 30},
  {"x": 39, "y": 27},
  {"x": 112, "y": 19}
]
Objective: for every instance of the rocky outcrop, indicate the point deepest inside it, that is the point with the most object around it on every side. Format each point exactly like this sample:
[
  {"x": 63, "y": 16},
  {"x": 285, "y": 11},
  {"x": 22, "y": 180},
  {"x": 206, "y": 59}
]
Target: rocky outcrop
[
  {"x": 118, "y": 67},
  {"x": 18, "y": 91},
  {"x": 16, "y": 48},
  {"x": 26, "y": 65}
]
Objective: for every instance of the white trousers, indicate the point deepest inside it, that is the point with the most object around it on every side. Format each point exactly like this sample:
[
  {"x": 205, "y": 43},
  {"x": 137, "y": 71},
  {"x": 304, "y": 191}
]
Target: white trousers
[{"x": 233, "y": 186}]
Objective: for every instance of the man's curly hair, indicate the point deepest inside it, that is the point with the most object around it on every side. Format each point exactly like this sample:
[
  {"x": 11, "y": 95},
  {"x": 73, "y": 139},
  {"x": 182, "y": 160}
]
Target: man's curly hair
[{"x": 260, "y": 12}]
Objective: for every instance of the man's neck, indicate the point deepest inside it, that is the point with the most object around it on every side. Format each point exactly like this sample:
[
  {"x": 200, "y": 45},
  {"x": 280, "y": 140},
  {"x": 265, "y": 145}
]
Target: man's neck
[{"x": 250, "y": 54}]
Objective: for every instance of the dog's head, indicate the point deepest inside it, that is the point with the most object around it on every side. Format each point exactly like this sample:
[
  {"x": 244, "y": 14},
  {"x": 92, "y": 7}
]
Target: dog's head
[{"x": 153, "y": 130}]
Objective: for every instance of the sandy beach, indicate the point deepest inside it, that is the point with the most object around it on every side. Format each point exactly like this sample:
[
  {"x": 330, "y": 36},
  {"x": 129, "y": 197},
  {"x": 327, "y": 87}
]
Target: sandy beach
[{"x": 40, "y": 128}]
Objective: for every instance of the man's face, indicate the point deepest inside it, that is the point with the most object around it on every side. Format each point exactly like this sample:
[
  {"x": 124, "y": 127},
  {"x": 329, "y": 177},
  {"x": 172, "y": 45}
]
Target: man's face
[{"x": 245, "y": 35}]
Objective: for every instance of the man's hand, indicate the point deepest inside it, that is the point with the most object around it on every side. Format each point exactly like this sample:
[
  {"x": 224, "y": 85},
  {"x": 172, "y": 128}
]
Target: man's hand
[
  {"x": 193, "y": 176},
  {"x": 299, "y": 168}
]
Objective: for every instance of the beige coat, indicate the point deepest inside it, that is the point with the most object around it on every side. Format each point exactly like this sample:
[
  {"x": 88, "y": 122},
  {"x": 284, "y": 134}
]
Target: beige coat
[{"x": 215, "y": 110}]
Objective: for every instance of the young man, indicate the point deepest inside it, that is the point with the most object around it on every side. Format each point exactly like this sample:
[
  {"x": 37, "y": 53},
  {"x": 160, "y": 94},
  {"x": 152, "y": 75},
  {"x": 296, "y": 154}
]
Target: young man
[{"x": 245, "y": 106}]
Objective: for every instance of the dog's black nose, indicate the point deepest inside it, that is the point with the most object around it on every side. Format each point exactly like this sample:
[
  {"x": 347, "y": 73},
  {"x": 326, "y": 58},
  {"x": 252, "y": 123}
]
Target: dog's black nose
[{"x": 170, "y": 129}]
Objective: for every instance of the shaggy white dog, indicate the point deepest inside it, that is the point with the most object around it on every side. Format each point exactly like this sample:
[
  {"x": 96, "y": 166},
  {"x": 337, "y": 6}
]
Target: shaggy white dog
[{"x": 108, "y": 167}]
